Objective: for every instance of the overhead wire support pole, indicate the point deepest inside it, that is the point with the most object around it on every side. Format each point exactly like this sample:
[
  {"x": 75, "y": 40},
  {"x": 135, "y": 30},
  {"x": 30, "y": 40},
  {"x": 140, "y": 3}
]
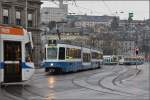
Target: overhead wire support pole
[{"x": 26, "y": 14}]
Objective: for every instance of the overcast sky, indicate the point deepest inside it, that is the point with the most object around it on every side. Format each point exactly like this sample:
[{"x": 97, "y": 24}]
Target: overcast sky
[{"x": 139, "y": 8}]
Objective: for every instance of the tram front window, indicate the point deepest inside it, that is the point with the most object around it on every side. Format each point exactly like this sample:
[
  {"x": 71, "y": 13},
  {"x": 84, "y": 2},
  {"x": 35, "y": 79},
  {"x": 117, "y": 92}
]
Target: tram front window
[
  {"x": 52, "y": 53},
  {"x": 28, "y": 52}
]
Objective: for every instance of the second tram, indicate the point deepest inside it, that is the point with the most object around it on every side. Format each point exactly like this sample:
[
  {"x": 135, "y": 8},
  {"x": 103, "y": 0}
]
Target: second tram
[
  {"x": 131, "y": 60},
  {"x": 110, "y": 60}
]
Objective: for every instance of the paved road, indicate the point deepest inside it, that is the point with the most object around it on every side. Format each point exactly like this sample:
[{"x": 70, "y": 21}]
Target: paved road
[{"x": 109, "y": 82}]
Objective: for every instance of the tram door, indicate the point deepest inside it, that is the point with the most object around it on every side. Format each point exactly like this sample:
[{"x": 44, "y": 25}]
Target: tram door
[{"x": 12, "y": 60}]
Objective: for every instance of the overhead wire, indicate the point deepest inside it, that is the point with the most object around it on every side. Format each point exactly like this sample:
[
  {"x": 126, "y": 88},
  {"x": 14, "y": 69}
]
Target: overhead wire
[
  {"x": 108, "y": 8},
  {"x": 79, "y": 7},
  {"x": 91, "y": 11},
  {"x": 74, "y": 3}
]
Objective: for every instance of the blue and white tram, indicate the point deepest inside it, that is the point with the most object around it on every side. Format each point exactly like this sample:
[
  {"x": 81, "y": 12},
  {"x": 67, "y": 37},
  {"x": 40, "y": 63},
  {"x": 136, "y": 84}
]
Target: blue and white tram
[
  {"x": 68, "y": 58},
  {"x": 131, "y": 60},
  {"x": 15, "y": 55},
  {"x": 110, "y": 60}
]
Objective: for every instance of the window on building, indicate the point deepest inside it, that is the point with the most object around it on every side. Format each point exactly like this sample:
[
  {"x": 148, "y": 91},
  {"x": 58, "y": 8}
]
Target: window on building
[
  {"x": 18, "y": 17},
  {"x": 46, "y": 12},
  {"x": 5, "y": 16},
  {"x": 30, "y": 20}
]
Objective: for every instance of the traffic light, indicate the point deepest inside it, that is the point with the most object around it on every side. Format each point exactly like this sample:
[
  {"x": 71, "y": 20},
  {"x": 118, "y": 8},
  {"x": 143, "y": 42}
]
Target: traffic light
[
  {"x": 130, "y": 18},
  {"x": 130, "y": 14},
  {"x": 137, "y": 51},
  {"x": 58, "y": 33}
]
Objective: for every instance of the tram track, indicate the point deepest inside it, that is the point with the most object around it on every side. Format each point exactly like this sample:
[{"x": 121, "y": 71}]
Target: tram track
[
  {"x": 11, "y": 93},
  {"x": 20, "y": 93},
  {"x": 113, "y": 87},
  {"x": 118, "y": 79},
  {"x": 7, "y": 97},
  {"x": 106, "y": 89},
  {"x": 88, "y": 87}
]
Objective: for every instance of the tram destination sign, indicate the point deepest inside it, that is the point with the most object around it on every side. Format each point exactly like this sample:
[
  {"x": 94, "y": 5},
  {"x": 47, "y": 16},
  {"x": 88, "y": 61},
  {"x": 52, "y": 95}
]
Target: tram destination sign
[{"x": 11, "y": 30}]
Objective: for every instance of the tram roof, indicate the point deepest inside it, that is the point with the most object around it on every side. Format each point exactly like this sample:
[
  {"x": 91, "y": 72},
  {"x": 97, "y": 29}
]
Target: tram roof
[{"x": 75, "y": 43}]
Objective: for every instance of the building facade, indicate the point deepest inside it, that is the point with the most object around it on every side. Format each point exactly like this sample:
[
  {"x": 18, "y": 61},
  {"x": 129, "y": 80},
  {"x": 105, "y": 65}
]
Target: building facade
[
  {"x": 90, "y": 21},
  {"x": 127, "y": 47},
  {"x": 54, "y": 13},
  {"x": 14, "y": 12}
]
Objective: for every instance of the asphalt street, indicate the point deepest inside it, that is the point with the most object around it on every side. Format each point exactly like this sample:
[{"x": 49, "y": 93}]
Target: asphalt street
[{"x": 111, "y": 82}]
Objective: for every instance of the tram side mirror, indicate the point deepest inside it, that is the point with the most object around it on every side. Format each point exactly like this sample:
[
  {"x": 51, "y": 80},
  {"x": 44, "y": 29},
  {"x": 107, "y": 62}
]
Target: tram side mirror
[
  {"x": 30, "y": 39},
  {"x": 28, "y": 59}
]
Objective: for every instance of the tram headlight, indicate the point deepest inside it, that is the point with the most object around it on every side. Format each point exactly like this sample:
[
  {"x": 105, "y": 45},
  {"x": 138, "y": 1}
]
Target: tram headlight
[{"x": 52, "y": 64}]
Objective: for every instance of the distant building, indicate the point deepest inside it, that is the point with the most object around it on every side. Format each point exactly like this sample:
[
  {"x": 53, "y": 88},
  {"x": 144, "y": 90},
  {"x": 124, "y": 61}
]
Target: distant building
[
  {"x": 127, "y": 47},
  {"x": 133, "y": 23},
  {"x": 66, "y": 33},
  {"x": 13, "y": 12},
  {"x": 90, "y": 21},
  {"x": 54, "y": 14}
]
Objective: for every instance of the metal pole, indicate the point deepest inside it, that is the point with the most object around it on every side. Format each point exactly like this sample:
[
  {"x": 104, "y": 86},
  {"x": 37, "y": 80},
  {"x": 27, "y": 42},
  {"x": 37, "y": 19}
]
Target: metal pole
[
  {"x": 26, "y": 14},
  {"x": 149, "y": 29},
  {"x": 148, "y": 45},
  {"x": 136, "y": 62},
  {"x": 149, "y": 9}
]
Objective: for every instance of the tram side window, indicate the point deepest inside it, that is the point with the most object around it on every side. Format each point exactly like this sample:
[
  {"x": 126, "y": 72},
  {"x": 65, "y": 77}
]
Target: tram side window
[
  {"x": 101, "y": 56},
  {"x": 28, "y": 52},
  {"x": 86, "y": 57},
  {"x": 93, "y": 55},
  {"x": 73, "y": 53},
  {"x": 61, "y": 53},
  {"x": 96, "y": 55}
]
